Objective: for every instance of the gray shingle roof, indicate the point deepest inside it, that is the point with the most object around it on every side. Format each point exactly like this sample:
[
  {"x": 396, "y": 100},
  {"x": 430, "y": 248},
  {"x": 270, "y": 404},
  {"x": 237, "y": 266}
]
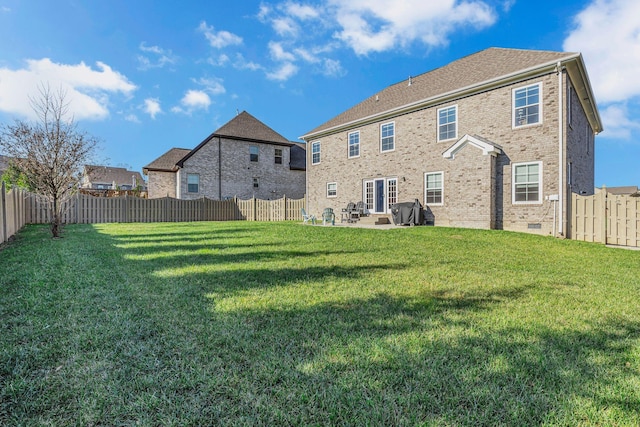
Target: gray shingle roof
[
  {"x": 110, "y": 174},
  {"x": 167, "y": 162},
  {"x": 245, "y": 126},
  {"x": 482, "y": 67}
]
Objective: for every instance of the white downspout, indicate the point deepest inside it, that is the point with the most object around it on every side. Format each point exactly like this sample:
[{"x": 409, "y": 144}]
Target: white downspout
[{"x": 560, "y": 151}]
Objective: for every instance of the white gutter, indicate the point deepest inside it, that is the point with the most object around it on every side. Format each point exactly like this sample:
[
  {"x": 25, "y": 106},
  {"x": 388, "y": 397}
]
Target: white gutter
[{"x": 560, "y": 151}]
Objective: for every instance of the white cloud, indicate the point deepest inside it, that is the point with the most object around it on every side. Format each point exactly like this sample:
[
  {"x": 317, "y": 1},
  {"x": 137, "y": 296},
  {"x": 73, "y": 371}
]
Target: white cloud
[
  {"x": 332, "y": 68},
  {"x": 161, "y": 57},
  {"x": 5, "y": 9},
  {"x": 285, "y": 26},
  {"x": 193, "y": 100},
  {"x": 284, "y": 72},
  {"x": 612, "y": 61},
  {"x": 302, "y": 12},
  {"x": 152, "y": 107},
  {"x": 87, "y": 89},
  {"x": 278, "y": 53},
  {"x": 132, "y": 118},
  {"x": 378, "y": 25},
  {"x": 213, "y": 86},
  {"x": 218, "y": 39},
  {"x": 241, "y": 63}
]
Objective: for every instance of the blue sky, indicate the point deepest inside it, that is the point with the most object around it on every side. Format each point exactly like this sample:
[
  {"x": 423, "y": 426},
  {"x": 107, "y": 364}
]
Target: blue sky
[{"x": 145, "y": 76}]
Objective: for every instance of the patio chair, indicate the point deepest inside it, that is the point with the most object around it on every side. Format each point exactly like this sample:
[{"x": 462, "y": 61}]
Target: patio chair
[
  {"x": 328, "y": 216},
  {"x": 349, "y": 214},
  {"x": 306, "y": 218},
  {"x": 361, "y": 209}
]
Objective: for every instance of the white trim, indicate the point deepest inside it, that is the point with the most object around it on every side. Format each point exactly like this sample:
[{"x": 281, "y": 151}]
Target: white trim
[
  {"x": 332, "y": 183},
  {"x": 319, "y": 152},
  {"x": 455, "y": 107},
  {"x": 513, "y": 184},
  {"x": 441, "y": 173},
  {"x": 349, "y": 156},
  {"x": 394, "y": 136},
  {"x": 513, "y": 106},
  {"x": 197, "y": 175},
  {"x": 486, "y": 146}
]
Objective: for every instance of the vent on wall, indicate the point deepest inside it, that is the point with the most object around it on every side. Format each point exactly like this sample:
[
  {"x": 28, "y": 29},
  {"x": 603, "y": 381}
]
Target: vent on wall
[{"x": 534, "y": 226}]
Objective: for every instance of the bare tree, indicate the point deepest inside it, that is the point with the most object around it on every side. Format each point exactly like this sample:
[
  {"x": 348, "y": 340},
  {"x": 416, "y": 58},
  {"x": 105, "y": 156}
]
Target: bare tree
[{"x": 50, "y": 151}]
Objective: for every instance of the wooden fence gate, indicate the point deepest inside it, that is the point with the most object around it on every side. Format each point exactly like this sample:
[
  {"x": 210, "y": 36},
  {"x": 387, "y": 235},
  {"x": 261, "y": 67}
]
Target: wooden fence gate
[{"x": 606, "y": 218}]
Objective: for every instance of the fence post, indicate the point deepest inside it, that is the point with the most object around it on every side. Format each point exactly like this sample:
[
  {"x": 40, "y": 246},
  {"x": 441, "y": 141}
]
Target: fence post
[
  {"x": 3, "y": 213},
  {"x": 601, "y": 208}
]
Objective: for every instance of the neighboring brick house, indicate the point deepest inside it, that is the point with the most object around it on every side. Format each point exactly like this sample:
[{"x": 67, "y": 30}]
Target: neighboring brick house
[
  {"x": 111, "y": 178},
  {"x": 244, "y": 158},
  {"x": 496, "y": 140}
]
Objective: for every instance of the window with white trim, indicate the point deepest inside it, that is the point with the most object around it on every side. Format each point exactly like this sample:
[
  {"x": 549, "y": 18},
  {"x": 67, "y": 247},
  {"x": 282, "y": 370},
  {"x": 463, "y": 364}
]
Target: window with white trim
[
  {"x": 527, "y": 108},
  {"x": 332, "y": 189},
  {"x": 527, "y": 182},
  {"x": 387, "y": 137},
  {"x": 354, "y": 144},
  {"x": 193, "y": 183},
  {"x": 447, "y": 123},
  {"x": 392, "y": 192},
  {"x": 433, "y": 188},
  {"x": 315, "y": 153},
  {"x": 253, "y": 153}
]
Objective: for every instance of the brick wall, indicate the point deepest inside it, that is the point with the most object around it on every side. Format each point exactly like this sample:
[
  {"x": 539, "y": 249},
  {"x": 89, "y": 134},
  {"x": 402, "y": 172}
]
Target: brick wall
[
  {"x": 161, "y": 184},
  {"x": 469, "y": 178}
]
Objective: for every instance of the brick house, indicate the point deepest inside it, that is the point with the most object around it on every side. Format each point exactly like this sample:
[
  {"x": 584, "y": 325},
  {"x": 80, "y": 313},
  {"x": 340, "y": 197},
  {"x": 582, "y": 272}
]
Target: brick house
[
  {"x": 111, "y": 178},
  {"x": 244, "y": 158},
  {"x": 495, "y": 140}
]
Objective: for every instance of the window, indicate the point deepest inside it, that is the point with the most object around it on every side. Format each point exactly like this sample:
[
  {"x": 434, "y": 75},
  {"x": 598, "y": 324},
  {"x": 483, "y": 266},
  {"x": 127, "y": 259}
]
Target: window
[
  {"x": 193, "y": 183},
  {"x": 256, "y": 184},
  {"x": 278, "y": 156},
  {"x": 332, "y": 189},
  {"x": 354, "y": 144},
  {"x": 392, "y": 192},
  {"x": 526, "y": 105},
  {"x": 253, "y": 153},
  {"x": 527, "y": 182},
  {"x": 433, "y": 188},
  {"x": 387, "y": 137},
  {"x": 447, "y": 123},
  {"x": 315, "y": 153}
]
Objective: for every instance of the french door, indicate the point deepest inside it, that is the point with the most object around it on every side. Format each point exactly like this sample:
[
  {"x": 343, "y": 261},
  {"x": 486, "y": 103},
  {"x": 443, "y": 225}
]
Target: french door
[{"x": 380, "y": 194}]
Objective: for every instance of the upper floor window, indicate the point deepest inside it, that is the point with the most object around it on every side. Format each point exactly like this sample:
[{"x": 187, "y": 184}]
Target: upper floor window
[
  {"x": 256, "y": 182},
  {"x": 387, "y": 137},
  {"x": 278, "y": 156},
  {"x": 354, "y": 144},
  {"x": 315, "y": 153},
  {"x": 253, "y": 153},
  {"x": 193, "y": 183},
  {"x": 526, "y": 105},
  {"x": 433, "y": 188},
  {"x": 447, "y": 123},
  {"x": 527, "y": 182},
  {"x": 332, "y": 189}
]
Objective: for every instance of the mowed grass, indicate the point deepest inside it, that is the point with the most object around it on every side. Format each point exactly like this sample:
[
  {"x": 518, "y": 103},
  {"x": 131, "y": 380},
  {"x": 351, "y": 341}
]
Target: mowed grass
[{"x": 242, "y": 323}]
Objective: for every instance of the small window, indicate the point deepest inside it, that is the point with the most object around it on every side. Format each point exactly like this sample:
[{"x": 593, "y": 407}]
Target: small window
[
  {"x": 253, "y": 153},
  {"x": 315, "y": 152},
  {"x": 354, "y": 144},
  {"x": 256, "y": 184},
  {"x": 193, "y": 183},
  {"x": 447, "y": 123},
  {"x": 527, "y": 182},
  {"x": 433, "y": 188},
  {"x": 278, "y": 156},
  {"x": 526, "y": 105},
  {"x": 387, "y": 137},
  {"x": 332, "y": 189}
]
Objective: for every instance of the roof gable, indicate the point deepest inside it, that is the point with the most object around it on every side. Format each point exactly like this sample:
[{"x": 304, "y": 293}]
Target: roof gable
[
  {"x": 167, "y": 162},
  {"x": 482, "y": 68},
  {"x": 485, "y": 145}
]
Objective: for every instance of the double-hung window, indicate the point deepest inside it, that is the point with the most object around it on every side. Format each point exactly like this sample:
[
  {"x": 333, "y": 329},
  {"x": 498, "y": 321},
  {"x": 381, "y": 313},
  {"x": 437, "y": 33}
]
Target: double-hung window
[
  {"x": 253, "y": 153},
  {"x": 527, "y": 182},
  {"x": 193, "y": 183},
  {"x": 315, "y": 153},
  {"x": 527, "y": 109},
  {"x": 278, "y": 156},
  {"x": 332, "y": 189},
  {"x": 387, "y": 137},
  {"x": 433, "y": 188},
  {"x": 354, "y": 144},
  {"x": 447, "y": 123}
]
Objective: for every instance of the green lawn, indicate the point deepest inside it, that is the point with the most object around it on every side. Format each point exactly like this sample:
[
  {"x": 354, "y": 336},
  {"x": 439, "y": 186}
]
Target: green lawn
[{"x": 242, "y": 323}]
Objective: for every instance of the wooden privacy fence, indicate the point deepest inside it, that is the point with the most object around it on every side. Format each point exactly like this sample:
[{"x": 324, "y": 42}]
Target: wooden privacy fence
[
  {"x": 86, "y": 209},
  {"x": 606, "y": 218},
  {"x": 12, "y": 212}
]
